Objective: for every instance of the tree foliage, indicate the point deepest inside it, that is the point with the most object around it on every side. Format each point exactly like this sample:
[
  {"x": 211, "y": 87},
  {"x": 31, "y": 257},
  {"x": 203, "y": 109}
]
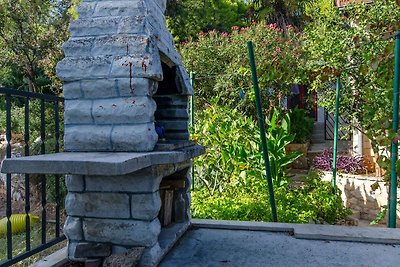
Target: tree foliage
[
  {"x": 186, "y": 18},
  {"x": 357, "y": 44},
  {"x": 31, "y": 35}
]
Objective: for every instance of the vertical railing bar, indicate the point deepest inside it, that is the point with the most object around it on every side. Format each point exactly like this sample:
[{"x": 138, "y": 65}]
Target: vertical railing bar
[
  {"x": 43, "y": 177},
  {"x": 57, "y": 177},
  {"x": 27, "y": 178},
  {"x": 8, "y": 177}
]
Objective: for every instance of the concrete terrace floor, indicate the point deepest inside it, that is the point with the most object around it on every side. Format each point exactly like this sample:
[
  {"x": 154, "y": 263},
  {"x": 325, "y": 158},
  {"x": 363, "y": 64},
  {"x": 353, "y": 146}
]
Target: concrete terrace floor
[
  {"x": 221, "y": 243},
  {"x": 210, "y": 243}
]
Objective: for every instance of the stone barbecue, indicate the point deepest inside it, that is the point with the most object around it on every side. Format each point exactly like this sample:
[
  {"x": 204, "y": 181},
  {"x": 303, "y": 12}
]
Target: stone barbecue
[{"x": 127, "y": 154}]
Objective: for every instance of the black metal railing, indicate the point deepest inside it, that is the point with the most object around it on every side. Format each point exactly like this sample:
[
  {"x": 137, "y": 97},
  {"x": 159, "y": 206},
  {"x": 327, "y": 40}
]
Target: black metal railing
[
  {"x": 330, "y": 127},
  {"x": 25, "y": 115}
]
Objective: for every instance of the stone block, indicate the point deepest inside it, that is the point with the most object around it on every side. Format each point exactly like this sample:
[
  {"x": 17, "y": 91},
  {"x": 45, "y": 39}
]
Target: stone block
[
  {"x": 87, "y": 138},
  {"x": 137, "y": 87},
  {"x": 98, "y": 205},
  {"x": 78, "y": 47},
  {"x": 72, "y": 90},
  {"x": 174, "y": 124},
  {"x": 145, "y": 206},
  {"x": 151, "y": 256},
  {"x": 171, "y": 100},
  {"x": 139, "y": 137},
  {"x": 137, "y": 66},
  {"x": 78, "y": 112},
  {"x": 138, "y": 182},
  {"x": 111, "y": 88},
  {"x": 71, "y": 251},
  {"x": 75, "y": 183},
  {"x": 128, "y": 110},
  {"x": 73, "y": 228},
  {"x": 122, "y": 232},
  {"x": 73, "y": 69},
  {"x": 97, "y": 26},
  {"x": 92, "y": 250},
  {"x": 132, "y": 25},
  {"x": 123, "y": 45},
  {"x": 86, "y": 9},
  {"x": 100, "y": 88},
  {"x": 118, "y": 8},
  {"x": 172, "y": 113}
]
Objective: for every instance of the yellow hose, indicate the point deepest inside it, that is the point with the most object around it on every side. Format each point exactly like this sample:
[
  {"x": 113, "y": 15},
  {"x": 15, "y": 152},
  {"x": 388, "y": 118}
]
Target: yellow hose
[{"x": 18, "y": 223}]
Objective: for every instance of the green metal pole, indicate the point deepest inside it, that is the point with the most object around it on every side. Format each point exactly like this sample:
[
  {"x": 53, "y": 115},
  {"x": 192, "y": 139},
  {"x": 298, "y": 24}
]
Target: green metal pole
[
  {"x": 395, "y": 127},
  {"x": 336, "y": 129},
  {"x": 262, "y": 131},
  {"x": 192, "y": 77}
]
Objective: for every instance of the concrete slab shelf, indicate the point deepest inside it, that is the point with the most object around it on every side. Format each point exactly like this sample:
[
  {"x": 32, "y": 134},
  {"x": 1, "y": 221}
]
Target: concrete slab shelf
[{"x": 97, "y": 163}]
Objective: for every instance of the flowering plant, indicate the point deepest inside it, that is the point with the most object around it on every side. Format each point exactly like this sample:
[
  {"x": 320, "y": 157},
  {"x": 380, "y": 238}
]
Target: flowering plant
[
  {"x": 344, "y": 163},
  {"x": 222, "y": 67}
]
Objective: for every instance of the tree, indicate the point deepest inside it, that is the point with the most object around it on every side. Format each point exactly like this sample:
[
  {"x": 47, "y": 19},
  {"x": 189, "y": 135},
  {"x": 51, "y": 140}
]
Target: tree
[
  {"x": 186, "y": 18},
  {"x": 356, "y": 43},
  {"x": 31, "y": 35}
]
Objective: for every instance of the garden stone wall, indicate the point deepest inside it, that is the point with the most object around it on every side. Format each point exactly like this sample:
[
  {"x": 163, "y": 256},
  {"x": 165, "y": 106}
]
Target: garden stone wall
[{"x": 359, "y": 196}]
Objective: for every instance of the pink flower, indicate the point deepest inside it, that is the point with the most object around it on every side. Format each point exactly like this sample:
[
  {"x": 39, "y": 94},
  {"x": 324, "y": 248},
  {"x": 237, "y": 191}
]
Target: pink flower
[
  {"x": 201, "y": 33},
  {"x": 207, "y": 105},
  {"x": 224, "y": 34},
  {"x": 235, "y": 28}
]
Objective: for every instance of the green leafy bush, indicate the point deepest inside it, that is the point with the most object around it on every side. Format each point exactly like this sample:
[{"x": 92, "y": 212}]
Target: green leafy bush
[
  {"x": 301, "y": 125},
  {"x": 230, "y": 177},
  {"x": 233, "y": 153},
  {"x": 313, "y": 202}
]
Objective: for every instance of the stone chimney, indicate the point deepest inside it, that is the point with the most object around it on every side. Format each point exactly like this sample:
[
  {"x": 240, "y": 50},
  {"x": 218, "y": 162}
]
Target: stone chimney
[{"x": 119, "y": 56}]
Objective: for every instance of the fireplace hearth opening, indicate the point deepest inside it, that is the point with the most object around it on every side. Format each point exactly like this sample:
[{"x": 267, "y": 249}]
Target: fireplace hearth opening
[{"x": 171, "y": 116}]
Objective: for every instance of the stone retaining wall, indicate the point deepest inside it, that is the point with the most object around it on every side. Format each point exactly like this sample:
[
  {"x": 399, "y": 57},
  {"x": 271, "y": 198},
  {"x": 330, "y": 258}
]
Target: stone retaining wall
[{"x": 358, "y": 195}]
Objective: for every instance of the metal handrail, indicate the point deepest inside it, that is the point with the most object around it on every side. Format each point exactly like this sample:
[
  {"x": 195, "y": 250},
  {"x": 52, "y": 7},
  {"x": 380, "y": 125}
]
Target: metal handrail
[{"x": 9, "y": 95}]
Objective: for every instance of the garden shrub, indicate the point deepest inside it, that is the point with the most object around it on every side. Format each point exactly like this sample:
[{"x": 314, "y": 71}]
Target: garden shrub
[
  {"x": 222, "y": 68},
  {"x": 313, "y": 202},
  {"x": 230, "y": 179},
  {"x": 301, "y": 125}
]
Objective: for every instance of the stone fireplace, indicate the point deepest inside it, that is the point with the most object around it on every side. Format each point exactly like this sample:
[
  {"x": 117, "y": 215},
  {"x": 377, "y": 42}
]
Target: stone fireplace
[{"x": 127, "y": 150}]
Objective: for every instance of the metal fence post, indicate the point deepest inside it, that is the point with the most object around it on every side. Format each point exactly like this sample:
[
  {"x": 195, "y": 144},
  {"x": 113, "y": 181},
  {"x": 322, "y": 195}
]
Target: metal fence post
[
  {"x": 262, "y": 131},
  {"x": 395, "y": 127},
  {"x": 336, "y": 130}
]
